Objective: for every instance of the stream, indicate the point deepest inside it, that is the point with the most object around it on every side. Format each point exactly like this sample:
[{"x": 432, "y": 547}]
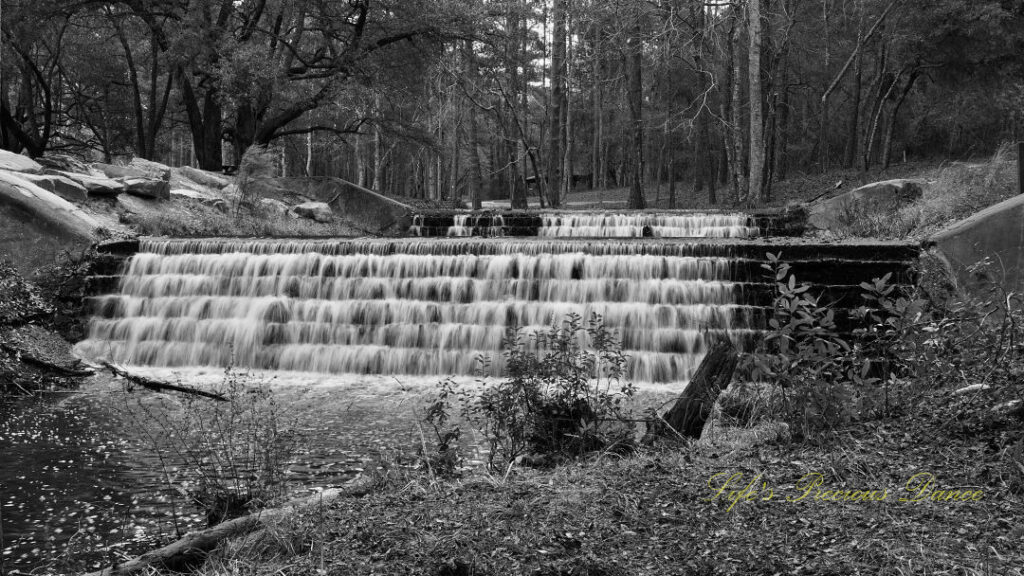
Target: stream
[{"x": 81, "y": 483}]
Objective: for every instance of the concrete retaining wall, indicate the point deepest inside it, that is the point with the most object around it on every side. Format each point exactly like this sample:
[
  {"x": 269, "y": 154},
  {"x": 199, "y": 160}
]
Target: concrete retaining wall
[{"x": 996, "y": 232}]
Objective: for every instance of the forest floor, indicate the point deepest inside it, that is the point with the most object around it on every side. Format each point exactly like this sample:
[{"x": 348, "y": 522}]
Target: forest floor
[
  {"x": 952, "y": 190},
  {"x": 739, "y": 501},
  {"x": 798, "y": 187}
]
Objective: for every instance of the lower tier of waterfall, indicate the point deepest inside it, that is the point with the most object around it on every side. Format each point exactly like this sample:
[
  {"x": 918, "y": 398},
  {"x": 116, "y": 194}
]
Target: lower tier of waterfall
[{"x": 413, "y": 307}]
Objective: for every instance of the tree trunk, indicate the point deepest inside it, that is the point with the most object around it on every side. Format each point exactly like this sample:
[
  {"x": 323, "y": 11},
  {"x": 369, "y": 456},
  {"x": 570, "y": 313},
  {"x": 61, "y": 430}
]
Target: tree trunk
[
  {"x": 893, "y": 115},
  {"x": 598, "y": 113},
  {"x": 204, "y": 122},
  {"x": 556, "y": 134},
  {"x": 757, "y": 189},
  {"x": 636, "y": 102},
  {"x": 734, "y": 125},
  {"x": 853, "y": 130},
  {"x": 782, "y": 141},
  {"x": 687, "y": 416}
]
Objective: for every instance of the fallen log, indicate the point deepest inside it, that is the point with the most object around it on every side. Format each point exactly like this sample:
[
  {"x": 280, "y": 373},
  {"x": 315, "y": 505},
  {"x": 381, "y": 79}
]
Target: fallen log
[
  {"x": 30, "y": 359},
  {"x": 193, "y": 548},
  {"x": 158, "y": 385},
  {"x": 687, "y": 416}
]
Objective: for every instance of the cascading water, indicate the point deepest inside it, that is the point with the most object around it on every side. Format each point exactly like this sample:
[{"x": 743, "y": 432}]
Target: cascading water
[
  {"x": 691, "y": 225},
  {"x": 587, "y": 225},
  {"x": 414, "y": 307}
]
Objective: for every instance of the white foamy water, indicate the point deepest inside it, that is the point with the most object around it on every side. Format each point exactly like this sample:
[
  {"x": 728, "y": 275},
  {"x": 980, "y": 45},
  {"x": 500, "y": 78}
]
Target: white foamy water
[
  {"x": 683, "y": 225},
  {"x": 410, "y": 307}
]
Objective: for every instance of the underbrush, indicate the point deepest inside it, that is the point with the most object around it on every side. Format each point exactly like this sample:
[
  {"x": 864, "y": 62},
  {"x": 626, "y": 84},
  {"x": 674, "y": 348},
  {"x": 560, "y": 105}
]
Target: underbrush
[
  {"x": 228, "y": 457},
  {"x": 248, "y": 221},
  {"x": 953, "y": 192},
  {"x": 562, "y": 398},
  {"x": 21, "y": 302}
]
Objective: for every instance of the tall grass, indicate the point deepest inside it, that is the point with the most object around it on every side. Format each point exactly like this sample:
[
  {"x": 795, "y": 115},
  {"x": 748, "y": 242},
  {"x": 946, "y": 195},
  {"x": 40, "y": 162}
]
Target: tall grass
[{"x": 953, "y": 192}]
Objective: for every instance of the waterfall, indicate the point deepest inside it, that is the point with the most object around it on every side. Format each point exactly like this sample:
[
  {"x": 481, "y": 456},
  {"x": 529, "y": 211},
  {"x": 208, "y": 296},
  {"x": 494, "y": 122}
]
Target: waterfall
[
  {"x": 689, "y": 225},
  {"x": 411, "y": 306},
  {"x": 587, "y": 225}
]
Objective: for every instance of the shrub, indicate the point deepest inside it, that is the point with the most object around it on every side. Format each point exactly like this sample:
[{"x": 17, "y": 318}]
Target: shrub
[
  {"x": 562, "y": 396},
  {"x": 259, "y": 164},
  {"x": 825, "y": 378},
  {"x": 22, "y": 302},
  {"x": 230, "y": 457},
  {"x": 901, "y": 345},
  {"x": 65, "y": 286}
]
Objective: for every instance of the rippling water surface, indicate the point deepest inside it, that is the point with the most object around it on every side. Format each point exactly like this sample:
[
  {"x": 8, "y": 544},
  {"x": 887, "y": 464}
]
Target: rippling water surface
[{"x": 79, "y": 478}]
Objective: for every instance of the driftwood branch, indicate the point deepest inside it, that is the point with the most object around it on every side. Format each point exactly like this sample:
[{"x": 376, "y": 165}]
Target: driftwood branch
[
  {"x": 687, "y": 416},
  {"x": 158, "y": 385},
  {"x": 192, "y": 549},
  {"x": 29, "y": 359}
]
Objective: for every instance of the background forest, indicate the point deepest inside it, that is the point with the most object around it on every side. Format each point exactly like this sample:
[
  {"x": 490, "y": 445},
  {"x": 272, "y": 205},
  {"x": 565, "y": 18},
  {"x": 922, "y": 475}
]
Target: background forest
[{"x": 477, "y": 99}]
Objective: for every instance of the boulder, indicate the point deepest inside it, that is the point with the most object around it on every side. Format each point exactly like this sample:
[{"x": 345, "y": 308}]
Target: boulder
[
  {"x": 96, "y": 185},
  {"x": 151, "y": 169},
  {"x": 64, "y": 187},
  {"x": 188, "y": 193},
  {"x": 147, "y": 188},
  {"x": 273, "y": 206},
  {"x": 318, "y": 211},
  {"x": 218, "y": 203},
  {"x": 18, "y": 163},
  {"x": 113, "y": 171},
  {"x": 204, "y": 178},
  {"x": 45, "y": 205},
  {"x": 64, "y": 163},
  {"x": 877, "y": 198}
]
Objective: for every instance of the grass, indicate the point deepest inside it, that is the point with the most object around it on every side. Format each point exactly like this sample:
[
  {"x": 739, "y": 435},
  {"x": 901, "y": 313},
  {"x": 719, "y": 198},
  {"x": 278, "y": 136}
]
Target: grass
[
  {"x": 954, "y": 191},
  {"x": 654, "y": 513},
  {"x": 187, "y": 218}
]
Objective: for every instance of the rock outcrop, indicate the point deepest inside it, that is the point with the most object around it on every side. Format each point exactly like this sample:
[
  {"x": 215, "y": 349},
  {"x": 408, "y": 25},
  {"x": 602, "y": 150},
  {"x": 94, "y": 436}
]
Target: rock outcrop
[
  {"x": 95, "y": 185},
  {"x": 204, "y": 178},
  {"x": 64, "y": 163},
  {"x": 318, "y": 211},
  {"x": 150, "y": 169},
  {"x": 147, "y": 188},
  {"x": 66, "y": 188},
  {"x": 21, "y": 194},
  {"x": 18, "y": 163},
  {"x": 115, "y": 172},
  {"x": 273, "y": 206},
  {"x": 877, "y": 198}
]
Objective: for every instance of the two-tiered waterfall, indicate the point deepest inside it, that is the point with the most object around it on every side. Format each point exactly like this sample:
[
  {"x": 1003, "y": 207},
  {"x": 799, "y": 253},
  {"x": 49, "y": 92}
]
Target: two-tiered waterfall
[{"x": 414, "y": 307}]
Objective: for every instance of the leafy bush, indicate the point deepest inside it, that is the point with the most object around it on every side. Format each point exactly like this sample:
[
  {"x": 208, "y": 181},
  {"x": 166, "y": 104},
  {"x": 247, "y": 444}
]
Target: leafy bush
[
  {"x": 825, "y": 378},
  {"x": 230, "y": 457},
  {"x": 900, "y": 346},
  {"x": 562, "y": 396},
  {"x": 65, "y": 286},
  {"x": 21, "y": 301}
]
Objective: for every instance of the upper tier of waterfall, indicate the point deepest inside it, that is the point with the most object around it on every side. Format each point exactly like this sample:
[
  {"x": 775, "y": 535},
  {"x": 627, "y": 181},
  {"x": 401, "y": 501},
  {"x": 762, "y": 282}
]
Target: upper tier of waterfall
[
  {"x": 589, "y": 225},
  {"x": 415, "y": 307}
]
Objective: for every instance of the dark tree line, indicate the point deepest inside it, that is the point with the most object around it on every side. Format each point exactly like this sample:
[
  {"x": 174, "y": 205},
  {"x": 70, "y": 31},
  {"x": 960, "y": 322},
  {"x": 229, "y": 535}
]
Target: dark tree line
[{"x": 468, "y": 99}]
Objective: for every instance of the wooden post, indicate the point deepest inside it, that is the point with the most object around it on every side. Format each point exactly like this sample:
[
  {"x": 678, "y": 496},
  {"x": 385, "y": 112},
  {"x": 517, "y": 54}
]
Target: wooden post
[{"x": 1020, "y": 167}]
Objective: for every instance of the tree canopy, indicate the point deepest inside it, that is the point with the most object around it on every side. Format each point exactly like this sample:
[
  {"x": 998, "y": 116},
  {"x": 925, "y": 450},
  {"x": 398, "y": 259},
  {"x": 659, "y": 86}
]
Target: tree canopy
[{"x": 468, "y": 99}]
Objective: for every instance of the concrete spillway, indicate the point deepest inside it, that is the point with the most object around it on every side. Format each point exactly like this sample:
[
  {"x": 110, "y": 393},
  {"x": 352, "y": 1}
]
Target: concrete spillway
[{"x": 433, "y": 307}]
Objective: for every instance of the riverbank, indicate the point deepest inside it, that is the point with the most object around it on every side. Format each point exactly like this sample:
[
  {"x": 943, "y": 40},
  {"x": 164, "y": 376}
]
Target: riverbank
[{"x": 883, "y": 506}]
